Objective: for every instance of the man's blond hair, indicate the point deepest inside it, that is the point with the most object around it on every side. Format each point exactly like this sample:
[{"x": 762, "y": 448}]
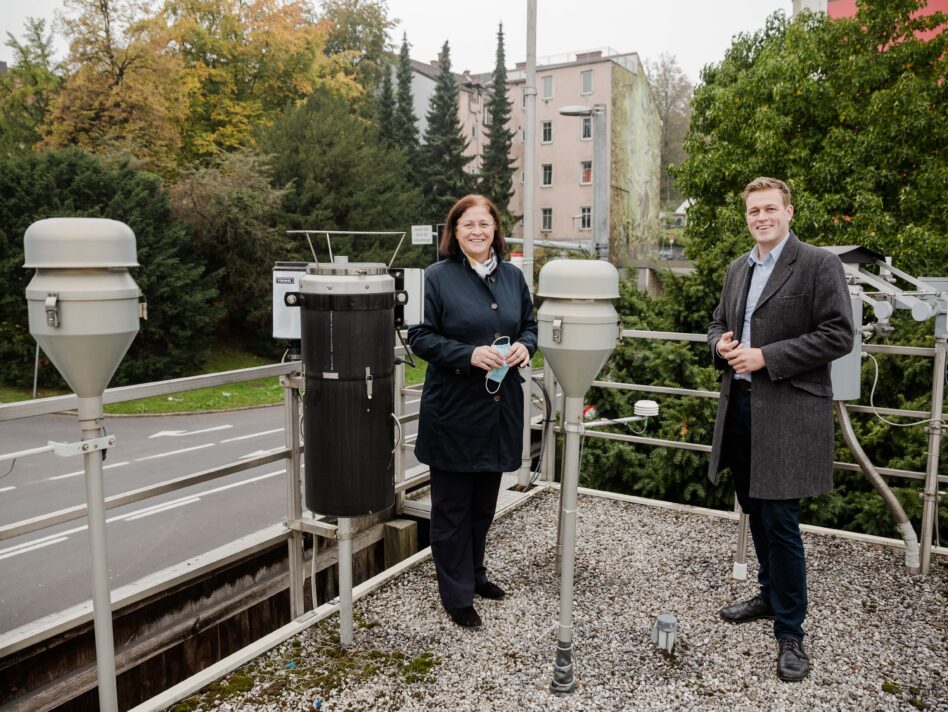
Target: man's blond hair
[{"x": 764, "y": 183}]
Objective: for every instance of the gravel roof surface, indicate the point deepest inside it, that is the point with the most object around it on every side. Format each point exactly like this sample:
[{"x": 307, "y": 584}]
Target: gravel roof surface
[{"x": 876, "y": 636}]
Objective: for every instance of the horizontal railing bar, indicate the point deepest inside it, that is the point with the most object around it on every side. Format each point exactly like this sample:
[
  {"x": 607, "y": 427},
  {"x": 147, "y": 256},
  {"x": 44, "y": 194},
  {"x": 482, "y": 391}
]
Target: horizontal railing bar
[
  {"x": 43, "y": 406},
  {"x": 656, "y": 389},
  {"x": 70, "y": 513},
  {"x": 888, "y": 411},
  {"x": 666, "y": 335},
  {"x": 899, "y": 350},
  {"x": 677, "y": 444}
]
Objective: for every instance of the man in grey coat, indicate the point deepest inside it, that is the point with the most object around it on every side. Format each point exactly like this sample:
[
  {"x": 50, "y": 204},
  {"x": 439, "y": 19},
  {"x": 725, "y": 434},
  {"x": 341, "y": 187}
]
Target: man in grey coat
[{"x": 784, "y": 315}]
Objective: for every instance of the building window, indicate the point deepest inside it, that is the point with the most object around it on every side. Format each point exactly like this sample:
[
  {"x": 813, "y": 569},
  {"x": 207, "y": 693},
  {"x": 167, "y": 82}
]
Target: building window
[
  {"x": 546, "y": 132},
  {"x": 546, "y": 219},
  {"x": 485, "y": 116},
  {"x": 585, "y": 218},
  {"x": 585, "y": 172},
  {"x": 546, "y": 87},
  {"x": 474, "y": 130},
  {"x": 586, "y": 82},
  {"x": 546, "y": 175},
  {"x": 587, "y": 128}
]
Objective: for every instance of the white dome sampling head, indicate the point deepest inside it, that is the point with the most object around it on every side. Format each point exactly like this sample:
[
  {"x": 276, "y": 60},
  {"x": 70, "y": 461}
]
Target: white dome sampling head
[
  {"x": 578, "y": 325},
  {"x": 83, "y": 305}
]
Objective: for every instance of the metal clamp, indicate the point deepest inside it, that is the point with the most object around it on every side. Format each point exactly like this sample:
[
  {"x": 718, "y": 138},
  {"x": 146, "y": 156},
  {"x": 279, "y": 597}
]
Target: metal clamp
[
  {"x": 52, "y": 310},
  {"x": 82, "y": 447},
  {"x": 557, "y": 330}
]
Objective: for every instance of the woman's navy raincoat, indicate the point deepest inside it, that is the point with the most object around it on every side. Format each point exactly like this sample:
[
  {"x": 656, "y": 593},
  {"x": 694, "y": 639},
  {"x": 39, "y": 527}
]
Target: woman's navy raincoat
[{"x": 463, "y": 428}]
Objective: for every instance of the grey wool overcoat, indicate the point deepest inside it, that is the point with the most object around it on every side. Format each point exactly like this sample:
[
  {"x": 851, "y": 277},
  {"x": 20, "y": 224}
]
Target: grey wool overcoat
[{"x": 802, "y": 322}]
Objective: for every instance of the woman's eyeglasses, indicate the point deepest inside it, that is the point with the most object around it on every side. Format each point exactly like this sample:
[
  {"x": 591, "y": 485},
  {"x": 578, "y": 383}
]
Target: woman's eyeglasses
[{"x": 470, "y": 226}]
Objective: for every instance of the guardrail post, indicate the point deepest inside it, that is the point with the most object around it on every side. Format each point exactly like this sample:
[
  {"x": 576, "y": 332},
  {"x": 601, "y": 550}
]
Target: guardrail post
[
  {"x": 739, "y": 571},
  {"x": 930, "y": 494},
  {"x": 294, "y": 496}
]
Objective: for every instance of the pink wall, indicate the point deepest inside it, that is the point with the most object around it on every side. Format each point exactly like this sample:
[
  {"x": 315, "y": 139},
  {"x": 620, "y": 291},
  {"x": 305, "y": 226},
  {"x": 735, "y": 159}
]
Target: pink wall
[{"x": 847, "y": 8}]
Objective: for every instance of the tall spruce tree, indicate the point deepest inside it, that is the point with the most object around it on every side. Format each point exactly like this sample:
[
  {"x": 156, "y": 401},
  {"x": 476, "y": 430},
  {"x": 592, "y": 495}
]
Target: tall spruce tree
[
  {"x": 404, "y": 121},
  {"x": 385, "y": 114},
  {"x": 497, "y": 169},
  {"x": 445, "y": 179}
]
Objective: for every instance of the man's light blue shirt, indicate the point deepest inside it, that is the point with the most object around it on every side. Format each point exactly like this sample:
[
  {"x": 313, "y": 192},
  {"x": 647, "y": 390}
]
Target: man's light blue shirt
[{"x": 762, "y": 270}]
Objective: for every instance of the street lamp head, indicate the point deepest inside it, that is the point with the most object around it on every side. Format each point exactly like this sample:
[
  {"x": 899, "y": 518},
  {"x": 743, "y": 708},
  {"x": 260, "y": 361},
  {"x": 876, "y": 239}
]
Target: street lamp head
[{"x": 576, "y": 110}]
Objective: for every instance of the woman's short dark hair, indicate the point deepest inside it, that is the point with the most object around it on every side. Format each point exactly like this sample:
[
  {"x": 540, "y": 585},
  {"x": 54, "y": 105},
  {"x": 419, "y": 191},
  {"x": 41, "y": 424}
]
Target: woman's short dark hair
[{"x": 449, "y": 247}]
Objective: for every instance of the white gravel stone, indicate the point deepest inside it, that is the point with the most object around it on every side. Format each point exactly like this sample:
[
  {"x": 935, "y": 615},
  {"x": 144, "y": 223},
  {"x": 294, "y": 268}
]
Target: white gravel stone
[{"x": 870, "y": 626}]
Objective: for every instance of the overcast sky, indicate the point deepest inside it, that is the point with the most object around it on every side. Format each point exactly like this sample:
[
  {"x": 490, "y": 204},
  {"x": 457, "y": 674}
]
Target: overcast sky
[{"x": 696, "y": 31}]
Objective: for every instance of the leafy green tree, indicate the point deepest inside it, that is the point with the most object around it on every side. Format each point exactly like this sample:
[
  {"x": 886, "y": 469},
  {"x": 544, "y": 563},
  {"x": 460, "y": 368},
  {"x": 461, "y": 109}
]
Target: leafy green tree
[
  {"x": 497, "y": 168},
  {"x": 174, "y": 340},
  {"x": 339, "y": 176},
  {"x": 232, "y": 212},
  {"x": 27, "y": 88},
  {"x": 404, "y": 121},
  {"x": 358, "y": 37},
  {"x": 852, "y": 114},
  {"x": 445, "y": 179},
  {"x": 386, "y": 111}
]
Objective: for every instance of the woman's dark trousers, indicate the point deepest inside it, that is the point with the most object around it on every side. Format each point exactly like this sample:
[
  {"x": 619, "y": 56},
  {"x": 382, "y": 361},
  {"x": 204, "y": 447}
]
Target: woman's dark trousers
[{"x": 462, "y": 509}]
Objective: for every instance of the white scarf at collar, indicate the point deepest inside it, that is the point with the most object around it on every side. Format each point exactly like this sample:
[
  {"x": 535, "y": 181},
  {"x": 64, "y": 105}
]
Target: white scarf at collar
[{"x": 483, "y": 269}]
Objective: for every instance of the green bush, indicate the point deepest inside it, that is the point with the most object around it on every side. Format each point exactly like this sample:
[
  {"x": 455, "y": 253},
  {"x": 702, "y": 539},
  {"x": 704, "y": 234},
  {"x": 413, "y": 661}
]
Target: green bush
[{"x": 180, "y": 293}]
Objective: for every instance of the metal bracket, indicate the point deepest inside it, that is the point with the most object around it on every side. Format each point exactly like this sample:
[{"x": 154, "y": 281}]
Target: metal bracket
[
  {"x": 83, "y": 446},
  {"x": 574, "y": 428},
  {"x": 557, "y": 331},
  {"x": 52, "y": 310},
  {"x": 311, "y": 526},
  {"x": 292, "y": 380}
]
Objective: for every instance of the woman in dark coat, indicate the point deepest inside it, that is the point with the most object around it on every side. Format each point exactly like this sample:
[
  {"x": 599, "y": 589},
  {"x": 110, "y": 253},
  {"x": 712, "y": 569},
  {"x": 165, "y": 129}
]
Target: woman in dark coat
[{"x": 478, "y": 322}]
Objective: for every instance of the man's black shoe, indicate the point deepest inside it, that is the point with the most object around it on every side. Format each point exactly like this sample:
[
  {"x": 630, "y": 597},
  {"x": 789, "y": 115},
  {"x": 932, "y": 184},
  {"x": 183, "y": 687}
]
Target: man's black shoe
[
  {"x": 745, "y": 611},
  {"x": 792, "y": 663},
  {"x": 488, "y": 589},
  {"x": 465, "y": 617}
]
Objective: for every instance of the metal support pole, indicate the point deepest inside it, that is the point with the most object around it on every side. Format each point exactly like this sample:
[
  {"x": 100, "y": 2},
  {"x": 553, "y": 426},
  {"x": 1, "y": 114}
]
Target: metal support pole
[
  {"x": 36, "y": 366},
  {"x": 739, "y": 571},
  {"x": 549, "y": 433},
  {"x": 564, "y": 681},
  {"x": 294, "y": 495},
  {"x": 600, "y": 182},
  {"x": 930, "y": 495},
  {"x": 344, "y": 538},
  {"x": 529, "y": 221},
  {"x": 90, "y": 419},
  {"x": 399, "y": 453}
]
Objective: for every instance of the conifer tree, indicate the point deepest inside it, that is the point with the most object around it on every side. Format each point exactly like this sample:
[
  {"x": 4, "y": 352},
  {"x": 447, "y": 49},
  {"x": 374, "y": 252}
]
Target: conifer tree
[
  {"x": 445, "y": 179},
  {"x": 497, "y": 169},
  {"x": 386, "y": 109},
  {"x": 404, "y": 121}
]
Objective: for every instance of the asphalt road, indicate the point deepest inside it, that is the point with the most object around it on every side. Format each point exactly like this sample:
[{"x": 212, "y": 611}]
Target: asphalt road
[{"x": 50, "y": 570}]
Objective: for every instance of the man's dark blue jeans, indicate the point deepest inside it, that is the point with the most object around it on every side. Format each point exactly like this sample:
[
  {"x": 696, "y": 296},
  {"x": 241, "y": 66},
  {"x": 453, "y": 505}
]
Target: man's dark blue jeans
[{"x": 774, "y": 525}]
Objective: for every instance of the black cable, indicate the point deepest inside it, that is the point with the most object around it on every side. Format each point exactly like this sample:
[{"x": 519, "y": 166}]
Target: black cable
[
  {"x": 408, "y": 353},
  {"x": 10, "y": 470}
]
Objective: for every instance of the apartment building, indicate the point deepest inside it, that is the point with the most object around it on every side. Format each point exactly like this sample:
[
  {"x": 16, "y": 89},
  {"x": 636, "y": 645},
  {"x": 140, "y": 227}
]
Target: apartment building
[
  {"x": 565, "y": 144},
  {"x": 564, "y": 155}
]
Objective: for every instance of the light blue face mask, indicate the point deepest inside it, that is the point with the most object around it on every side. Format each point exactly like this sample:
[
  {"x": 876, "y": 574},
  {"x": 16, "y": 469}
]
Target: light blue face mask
[{"x": 497, "y": 375}]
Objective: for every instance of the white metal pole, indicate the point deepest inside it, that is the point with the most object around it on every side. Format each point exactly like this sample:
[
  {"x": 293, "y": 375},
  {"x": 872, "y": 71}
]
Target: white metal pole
[
  {"x": 529, "y": 218},
  {"x": 739, "y": 570},
  {"x": 294, "y": 494},
  {"x": 36, "y": 365},
  {"x": 930, "y": 496},
  {"x": 600, "y": 182},
  {"x": 90, "y": 418},
  {"x": 563, "y": 673},
  {"x": 344, "y": 538}
]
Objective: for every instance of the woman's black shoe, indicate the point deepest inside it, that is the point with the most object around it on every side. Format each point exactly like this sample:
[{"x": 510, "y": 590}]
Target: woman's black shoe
[
  {"x": 489, "y": 589},
  {"x": 465, "y": 617}
]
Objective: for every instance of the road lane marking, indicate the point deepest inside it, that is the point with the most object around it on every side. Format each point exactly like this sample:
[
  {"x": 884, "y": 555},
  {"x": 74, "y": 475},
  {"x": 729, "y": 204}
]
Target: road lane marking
[
  {"x": 158, "y": 509},
  {"x": 182, "y": 433},
  {"x": 7, "y": 489},
  {"x": 33, "y": 546},
  {"x": 174, "y": 452},
  {"x": 82, "y": 472},
  {"x": 252, "y": 435},
  {"x": 131, "y": 516},
  {"x": 259, "y": 453}
]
